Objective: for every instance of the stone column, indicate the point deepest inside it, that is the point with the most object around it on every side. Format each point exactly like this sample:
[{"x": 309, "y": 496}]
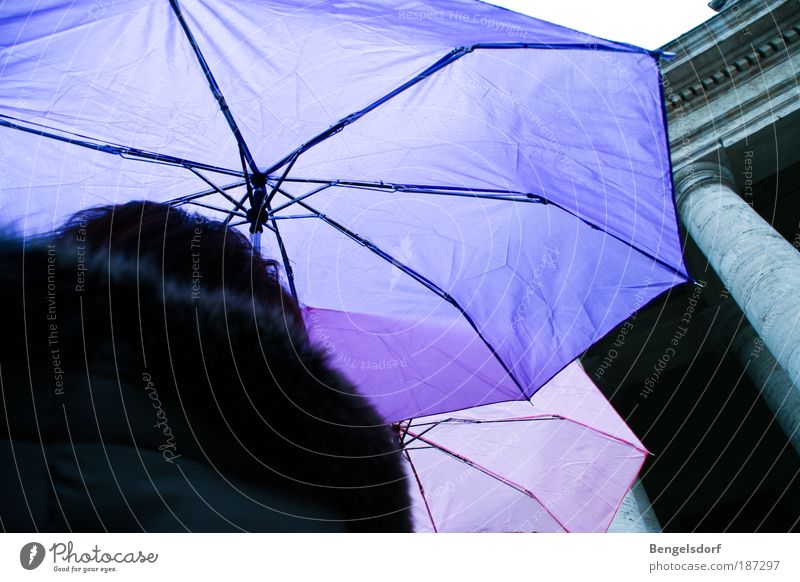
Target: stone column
[
  {"x": 635, "y": 515},
  {"x": 731, "y": 331},
  {"x": 757, "y": 265}
]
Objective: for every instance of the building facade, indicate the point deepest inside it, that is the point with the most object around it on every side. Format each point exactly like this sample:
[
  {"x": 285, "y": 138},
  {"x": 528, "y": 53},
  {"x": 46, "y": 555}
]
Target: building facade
[{"x": 709, "y": 375}]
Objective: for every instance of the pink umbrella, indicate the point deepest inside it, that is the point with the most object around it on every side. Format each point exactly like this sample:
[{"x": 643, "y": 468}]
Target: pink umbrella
[{"x": 561, "y": 462}]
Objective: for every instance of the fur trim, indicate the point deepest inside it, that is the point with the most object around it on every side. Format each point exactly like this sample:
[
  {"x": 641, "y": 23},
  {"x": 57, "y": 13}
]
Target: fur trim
[{"x": 238, "y": 390}]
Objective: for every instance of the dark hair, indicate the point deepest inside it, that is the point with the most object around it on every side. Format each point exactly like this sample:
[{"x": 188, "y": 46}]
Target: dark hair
[
  {"x": 247, "y": 395},
  {"x": 187, "y": 247},
  {"x": 268, "y": 407}
]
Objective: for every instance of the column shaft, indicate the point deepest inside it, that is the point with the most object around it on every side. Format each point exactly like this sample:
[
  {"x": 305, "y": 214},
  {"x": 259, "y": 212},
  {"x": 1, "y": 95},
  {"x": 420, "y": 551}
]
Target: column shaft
[
  {"x": 635, "y": 515},
  {"x": 732, "y": 331},
  {"x": 757, "y": 265}
]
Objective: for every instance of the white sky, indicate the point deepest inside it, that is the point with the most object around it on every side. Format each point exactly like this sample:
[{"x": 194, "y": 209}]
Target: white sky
[{"x": 646, "y": 23}]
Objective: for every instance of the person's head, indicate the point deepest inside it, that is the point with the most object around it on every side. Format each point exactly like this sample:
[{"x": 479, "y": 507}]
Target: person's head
[
  {"x": 225, "y": 383},
  {"x": 189, "y": 248}
]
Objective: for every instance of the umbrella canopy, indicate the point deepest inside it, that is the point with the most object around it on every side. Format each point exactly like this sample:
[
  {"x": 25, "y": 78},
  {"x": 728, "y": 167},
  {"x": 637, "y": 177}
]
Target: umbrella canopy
[
  {"x": 443, "y": 180},
  {"x": 561, "y": 462}
]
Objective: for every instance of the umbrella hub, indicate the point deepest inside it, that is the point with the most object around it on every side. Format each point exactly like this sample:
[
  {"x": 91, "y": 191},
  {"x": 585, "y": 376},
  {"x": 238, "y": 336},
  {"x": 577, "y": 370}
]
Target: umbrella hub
[{"x": 257, "y": 213}]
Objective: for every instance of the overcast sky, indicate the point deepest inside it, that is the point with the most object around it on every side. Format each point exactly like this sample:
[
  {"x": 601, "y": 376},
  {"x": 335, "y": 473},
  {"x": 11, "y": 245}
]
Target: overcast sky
[{"x": 646, "y": 23}]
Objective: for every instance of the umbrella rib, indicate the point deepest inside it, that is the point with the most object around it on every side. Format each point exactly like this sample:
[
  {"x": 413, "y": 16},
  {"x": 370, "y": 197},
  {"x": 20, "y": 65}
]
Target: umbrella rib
[
  {"x": 492, "y": 421},
  {"x": 230, "y": 216},
  {"x": 642, "y": 252},
  {"x": 607, "y": 435},
  {"x": 212, "y": 84},
  {"x": 302, "y": 196},
  {"x": 421, "y": 489},
  {"x": 218, "y": 190},
  {"x": 450, "y": 57},
  {"x": 483, "y": 193},
  {"x": 241, "y": 222},
  {"x": 414, "y": 275},
  {"x": 282, "y": 178},
  {"x": 189, "y": 197},
  {"x": 291, "y": 216},
  {"x": 656, "y": 54},
  {"x": 464, "y": 192},
  {"x": 118, "y": 150},
  {"x": 451, "y": 420},
  {"x": 215, "y": 208},
  {"x": 394, "y": 185},
  {"x": 406, "y": 432},
  {"x": 284, "y": 255},
  {"x": 493, "y": 475}
]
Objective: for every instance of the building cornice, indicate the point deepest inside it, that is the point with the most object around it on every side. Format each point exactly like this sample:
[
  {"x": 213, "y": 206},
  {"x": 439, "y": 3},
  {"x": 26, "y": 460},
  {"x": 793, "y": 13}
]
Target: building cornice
[
  {"x": 729, "y": 48},
  {"x": 732, "y": 76}
]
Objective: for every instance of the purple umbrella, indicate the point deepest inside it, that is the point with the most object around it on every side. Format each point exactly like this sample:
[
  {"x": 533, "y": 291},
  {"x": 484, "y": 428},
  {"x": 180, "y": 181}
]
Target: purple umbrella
[{"x": 463, "y": 197}]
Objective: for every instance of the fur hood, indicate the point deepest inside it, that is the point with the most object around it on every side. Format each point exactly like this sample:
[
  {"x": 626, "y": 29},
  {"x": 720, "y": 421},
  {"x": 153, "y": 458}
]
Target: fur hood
[{"x": 105, "y": 352}]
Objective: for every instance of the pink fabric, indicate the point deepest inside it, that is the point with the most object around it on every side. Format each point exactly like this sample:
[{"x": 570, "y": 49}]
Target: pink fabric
[{"x": 536, "y": 472}]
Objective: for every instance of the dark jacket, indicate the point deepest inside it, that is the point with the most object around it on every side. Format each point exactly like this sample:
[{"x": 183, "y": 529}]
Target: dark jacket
[{"x": 132, "y": 402}]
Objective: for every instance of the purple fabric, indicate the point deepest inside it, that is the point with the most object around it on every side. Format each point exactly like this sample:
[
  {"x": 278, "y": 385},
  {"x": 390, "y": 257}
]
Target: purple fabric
[{"x": 521, "y": 288}]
